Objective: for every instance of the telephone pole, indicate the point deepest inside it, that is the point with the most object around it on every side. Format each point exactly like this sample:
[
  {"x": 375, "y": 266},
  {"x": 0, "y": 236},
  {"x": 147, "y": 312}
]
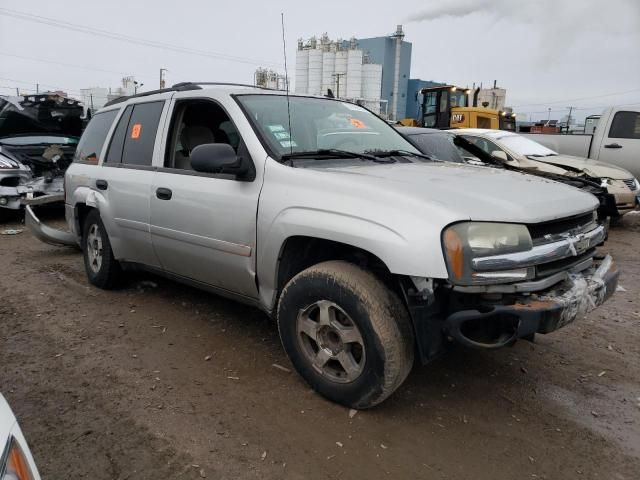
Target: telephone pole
[
  {"x": 162, "y": 72},
  {"x": 338, "y": 76},
  {"x": 569, "y": 118}
]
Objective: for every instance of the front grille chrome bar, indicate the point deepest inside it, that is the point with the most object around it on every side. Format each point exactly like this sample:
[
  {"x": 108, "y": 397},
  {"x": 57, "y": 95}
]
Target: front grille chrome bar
[{"x": 571, "y": 246}]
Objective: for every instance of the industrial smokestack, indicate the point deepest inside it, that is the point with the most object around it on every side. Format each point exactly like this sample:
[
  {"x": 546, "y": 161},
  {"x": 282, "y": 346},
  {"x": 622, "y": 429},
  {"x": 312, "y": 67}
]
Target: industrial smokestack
[{"x": 398, "y": 36}]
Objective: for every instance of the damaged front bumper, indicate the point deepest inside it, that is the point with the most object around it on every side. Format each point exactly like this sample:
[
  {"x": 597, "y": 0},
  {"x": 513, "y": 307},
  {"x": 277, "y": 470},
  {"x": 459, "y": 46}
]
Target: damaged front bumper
[
  {"x": 490, "y": 326},
  {"x": 18, "y": 189},
  {"x": 47, "y": 234}
]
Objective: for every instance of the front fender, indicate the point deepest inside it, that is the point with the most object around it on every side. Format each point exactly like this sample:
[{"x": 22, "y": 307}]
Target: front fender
[{"x": 389, "y": 245}]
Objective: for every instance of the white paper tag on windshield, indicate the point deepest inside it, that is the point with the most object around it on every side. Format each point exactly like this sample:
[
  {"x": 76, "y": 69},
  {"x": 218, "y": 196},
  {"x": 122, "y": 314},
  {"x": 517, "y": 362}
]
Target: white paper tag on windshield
[
  {"x": 276, "y": 128},
  {"x": 288, "y": 143}
]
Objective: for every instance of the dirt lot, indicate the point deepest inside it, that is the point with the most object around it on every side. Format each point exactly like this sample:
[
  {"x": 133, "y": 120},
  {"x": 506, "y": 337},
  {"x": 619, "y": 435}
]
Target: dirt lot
[{"x": 158, "y": 380}]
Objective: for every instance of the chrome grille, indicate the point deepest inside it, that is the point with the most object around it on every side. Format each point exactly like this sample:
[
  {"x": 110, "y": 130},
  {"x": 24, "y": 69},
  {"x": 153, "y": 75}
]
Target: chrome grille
[
  {"x": 545, "y": 231},
  {"x": 631, "y": 183}
]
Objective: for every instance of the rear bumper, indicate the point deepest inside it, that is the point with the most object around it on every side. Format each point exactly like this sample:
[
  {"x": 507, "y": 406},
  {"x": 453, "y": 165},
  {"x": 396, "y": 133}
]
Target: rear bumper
[
  {"x": 47, "y": 234},
  {"x": 544, "y": 312}
]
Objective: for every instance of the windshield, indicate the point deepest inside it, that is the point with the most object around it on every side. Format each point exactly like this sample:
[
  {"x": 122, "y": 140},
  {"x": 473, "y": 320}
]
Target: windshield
[
  {"x": 319, "y": 124},
  {"x": 39, "y": 140},
  {"x": 524, "y": 146},
  {"x": 438, "y": 145}
]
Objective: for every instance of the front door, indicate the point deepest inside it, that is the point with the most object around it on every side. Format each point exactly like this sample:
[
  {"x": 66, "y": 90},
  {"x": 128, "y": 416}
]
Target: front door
[{"x": 203, "y": 226}]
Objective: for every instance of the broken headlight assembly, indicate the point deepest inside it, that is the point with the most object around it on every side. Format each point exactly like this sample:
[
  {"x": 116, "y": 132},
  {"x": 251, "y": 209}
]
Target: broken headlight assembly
[{"x": 465, "y": 241}]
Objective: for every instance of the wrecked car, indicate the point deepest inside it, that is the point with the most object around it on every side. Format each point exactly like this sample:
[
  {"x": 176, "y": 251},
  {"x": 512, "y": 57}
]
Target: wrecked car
[
  {"x": 38, "y": 137},
  {"x": 524, "y": 153},
  {"x": 365, "y": 253},
  {"x": 449, "y": 146}
]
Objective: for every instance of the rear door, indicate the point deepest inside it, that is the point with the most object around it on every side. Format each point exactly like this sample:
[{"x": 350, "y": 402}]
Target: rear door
[
  {"x": 621, "y": 142},
  {"x": 125, "y": 181}
]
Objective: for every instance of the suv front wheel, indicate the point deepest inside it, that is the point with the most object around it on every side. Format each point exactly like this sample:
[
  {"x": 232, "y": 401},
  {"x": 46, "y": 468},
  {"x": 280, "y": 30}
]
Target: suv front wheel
[
  {"x": 103, "y": 270},
  {"x": 346, "y": 333}
]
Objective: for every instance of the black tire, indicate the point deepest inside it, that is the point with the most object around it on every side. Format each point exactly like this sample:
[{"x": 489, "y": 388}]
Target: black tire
[
  {"x": 106, "y": 273},
  {"x": 383, "y": 358}
]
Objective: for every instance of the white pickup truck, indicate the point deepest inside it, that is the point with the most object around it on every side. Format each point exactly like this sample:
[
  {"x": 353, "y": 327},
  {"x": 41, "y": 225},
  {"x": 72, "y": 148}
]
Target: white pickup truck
[{"x": 616, "y": 140}]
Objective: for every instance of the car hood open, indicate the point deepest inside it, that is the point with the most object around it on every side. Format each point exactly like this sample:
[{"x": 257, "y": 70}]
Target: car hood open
[{"x": 593, "y": 168}]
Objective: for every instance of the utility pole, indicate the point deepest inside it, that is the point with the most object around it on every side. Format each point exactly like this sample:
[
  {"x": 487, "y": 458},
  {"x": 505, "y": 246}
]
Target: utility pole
[
  {"x": 338, "y": 76},
  {"x": 162, "y": 72},
  {"x": 549, "y": 116},
  {"x": 569, "y": 118},
  {"x": 17, "y": 92},
  {"x": 37, "y": 88}
]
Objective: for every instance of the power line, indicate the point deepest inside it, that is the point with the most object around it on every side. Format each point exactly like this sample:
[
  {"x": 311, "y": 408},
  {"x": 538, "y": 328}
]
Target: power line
[
  {"x": 578, "y": 99},
  {"x": 65, "y": 64},
  {"x": 126, "y": 38}
]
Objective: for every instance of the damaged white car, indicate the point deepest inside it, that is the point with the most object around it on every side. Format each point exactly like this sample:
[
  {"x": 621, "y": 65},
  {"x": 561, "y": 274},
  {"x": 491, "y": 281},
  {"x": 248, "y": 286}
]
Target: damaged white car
[{"x": 38, "y": 137}]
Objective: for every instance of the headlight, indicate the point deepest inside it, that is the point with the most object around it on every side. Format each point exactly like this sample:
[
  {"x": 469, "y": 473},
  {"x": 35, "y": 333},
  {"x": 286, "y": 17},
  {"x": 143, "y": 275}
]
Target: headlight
[
  {"x": 465, "y": 241},
  {"x": 637, "y": 184},
  {"x": 17, "y": 466}
]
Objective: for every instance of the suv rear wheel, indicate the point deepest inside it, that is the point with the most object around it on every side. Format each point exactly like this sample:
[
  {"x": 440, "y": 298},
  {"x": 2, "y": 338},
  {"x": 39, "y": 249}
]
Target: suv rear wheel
[
  {"x": 103, "y": 270},
  {"x": 346, "y": 333}
]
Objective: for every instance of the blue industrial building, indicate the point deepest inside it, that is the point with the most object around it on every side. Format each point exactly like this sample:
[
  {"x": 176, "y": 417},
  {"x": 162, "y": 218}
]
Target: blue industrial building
[{"x": 382, "y": 50}]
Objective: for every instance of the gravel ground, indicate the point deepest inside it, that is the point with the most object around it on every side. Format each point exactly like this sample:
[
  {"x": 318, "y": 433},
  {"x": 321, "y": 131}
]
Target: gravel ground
[{"x": 158, "y": 380}]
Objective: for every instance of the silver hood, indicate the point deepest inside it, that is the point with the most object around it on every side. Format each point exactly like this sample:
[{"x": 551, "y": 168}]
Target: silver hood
[{"x": 466, "y": 192}]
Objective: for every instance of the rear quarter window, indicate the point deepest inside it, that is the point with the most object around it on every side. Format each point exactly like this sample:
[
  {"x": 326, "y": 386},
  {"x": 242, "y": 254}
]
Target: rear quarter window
[
  {"x": 141, "y": 133},
  {"x": 625, "y": 125},
  {"x": 94, "y": 136}
]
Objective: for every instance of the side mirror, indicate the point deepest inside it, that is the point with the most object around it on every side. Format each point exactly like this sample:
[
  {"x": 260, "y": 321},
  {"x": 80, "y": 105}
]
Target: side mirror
[
  {"x": 500, "y": 155},
  {"x": 217, "y": 158}
]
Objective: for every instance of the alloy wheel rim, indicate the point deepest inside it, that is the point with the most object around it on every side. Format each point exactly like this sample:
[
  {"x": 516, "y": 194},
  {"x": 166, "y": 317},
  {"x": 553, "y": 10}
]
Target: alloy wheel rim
[
  {"x": 331, "y": 341},
  {"x": 94, "y": 248}
]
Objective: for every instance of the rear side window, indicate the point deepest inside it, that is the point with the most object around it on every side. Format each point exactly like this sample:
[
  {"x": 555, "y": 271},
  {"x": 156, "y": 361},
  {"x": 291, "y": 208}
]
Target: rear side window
[
  {"x": 625, "y": 125},
  {"x": 94, "y": 136},
  {"x": 114, "y": 154},
  {"x": 141, "y": 133}
]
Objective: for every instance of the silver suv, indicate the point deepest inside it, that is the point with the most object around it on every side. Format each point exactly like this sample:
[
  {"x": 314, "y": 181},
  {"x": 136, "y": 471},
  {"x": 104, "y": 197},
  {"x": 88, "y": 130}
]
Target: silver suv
[{"x": 366, "y": 252}]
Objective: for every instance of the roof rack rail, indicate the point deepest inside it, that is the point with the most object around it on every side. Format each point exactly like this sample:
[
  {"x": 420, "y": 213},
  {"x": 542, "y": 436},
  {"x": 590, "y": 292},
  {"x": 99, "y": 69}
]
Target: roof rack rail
[
  {"x": 178, "y": 87},
  {"x": 228, "y": 84}
]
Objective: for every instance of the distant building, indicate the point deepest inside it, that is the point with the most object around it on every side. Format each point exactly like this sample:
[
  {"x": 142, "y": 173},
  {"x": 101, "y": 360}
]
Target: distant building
[
  {"x": 341, "y": 67},
  {"x": 394, "y": 54},
  {"x": 269, "y": 79},
  {"x": 494, "y": 97},
  {"x": 95, "y": 98}
]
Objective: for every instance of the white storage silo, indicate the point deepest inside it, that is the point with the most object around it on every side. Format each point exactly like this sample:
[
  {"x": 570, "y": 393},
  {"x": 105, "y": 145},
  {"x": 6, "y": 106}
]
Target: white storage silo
[
  {"x": 354, "y": 74},
  {"x": 328, "y": 69},
  {"x": 315, "y": 72},
  {"x": 302, "y": 71},
  {"x": 341, "y": 72},
  {"x": 371, "y": 81}
]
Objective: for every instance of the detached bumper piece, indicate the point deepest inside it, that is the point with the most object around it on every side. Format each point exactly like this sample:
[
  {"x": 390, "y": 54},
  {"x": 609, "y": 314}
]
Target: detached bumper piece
[
  {"x": 495, "y": 326},
  {"x": 47, "y": 234}
]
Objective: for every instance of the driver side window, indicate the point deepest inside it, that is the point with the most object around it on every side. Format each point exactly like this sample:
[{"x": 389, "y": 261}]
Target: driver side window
[
  {"x": 194, "y": 123},
  {"x": 484, "y": 144}
]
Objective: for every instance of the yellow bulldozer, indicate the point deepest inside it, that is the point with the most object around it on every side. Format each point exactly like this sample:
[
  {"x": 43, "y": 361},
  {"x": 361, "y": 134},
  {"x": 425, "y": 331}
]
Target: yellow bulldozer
[{"x": 453, "y": 107}]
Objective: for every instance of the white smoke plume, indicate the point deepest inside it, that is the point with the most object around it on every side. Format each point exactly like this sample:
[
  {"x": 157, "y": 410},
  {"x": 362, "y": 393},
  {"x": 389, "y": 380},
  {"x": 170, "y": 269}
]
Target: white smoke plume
[{"x": 621, "y": 16}]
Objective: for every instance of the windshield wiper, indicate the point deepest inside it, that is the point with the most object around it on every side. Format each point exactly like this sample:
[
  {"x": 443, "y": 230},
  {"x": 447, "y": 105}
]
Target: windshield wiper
[
  {"x": 329, "y": 153},
  {"x": 399, "y": 153}
]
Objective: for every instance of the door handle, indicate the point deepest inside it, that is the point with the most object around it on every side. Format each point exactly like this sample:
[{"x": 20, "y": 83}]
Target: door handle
[
  {"x": 164, "y": 193},
  {"x": 102, "y": 184},
  {"x": 613, "y": 145}
]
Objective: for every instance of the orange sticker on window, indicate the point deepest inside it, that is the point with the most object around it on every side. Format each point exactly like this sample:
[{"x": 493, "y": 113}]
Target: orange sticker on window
[
  {"x": 135, "y": 131},
  {"x": 357, "y": 123}
]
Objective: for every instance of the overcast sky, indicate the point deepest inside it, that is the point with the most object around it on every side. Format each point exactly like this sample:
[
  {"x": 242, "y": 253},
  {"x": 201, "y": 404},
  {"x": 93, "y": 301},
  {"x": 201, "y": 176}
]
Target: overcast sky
[{"x": 546, "y": 53}]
